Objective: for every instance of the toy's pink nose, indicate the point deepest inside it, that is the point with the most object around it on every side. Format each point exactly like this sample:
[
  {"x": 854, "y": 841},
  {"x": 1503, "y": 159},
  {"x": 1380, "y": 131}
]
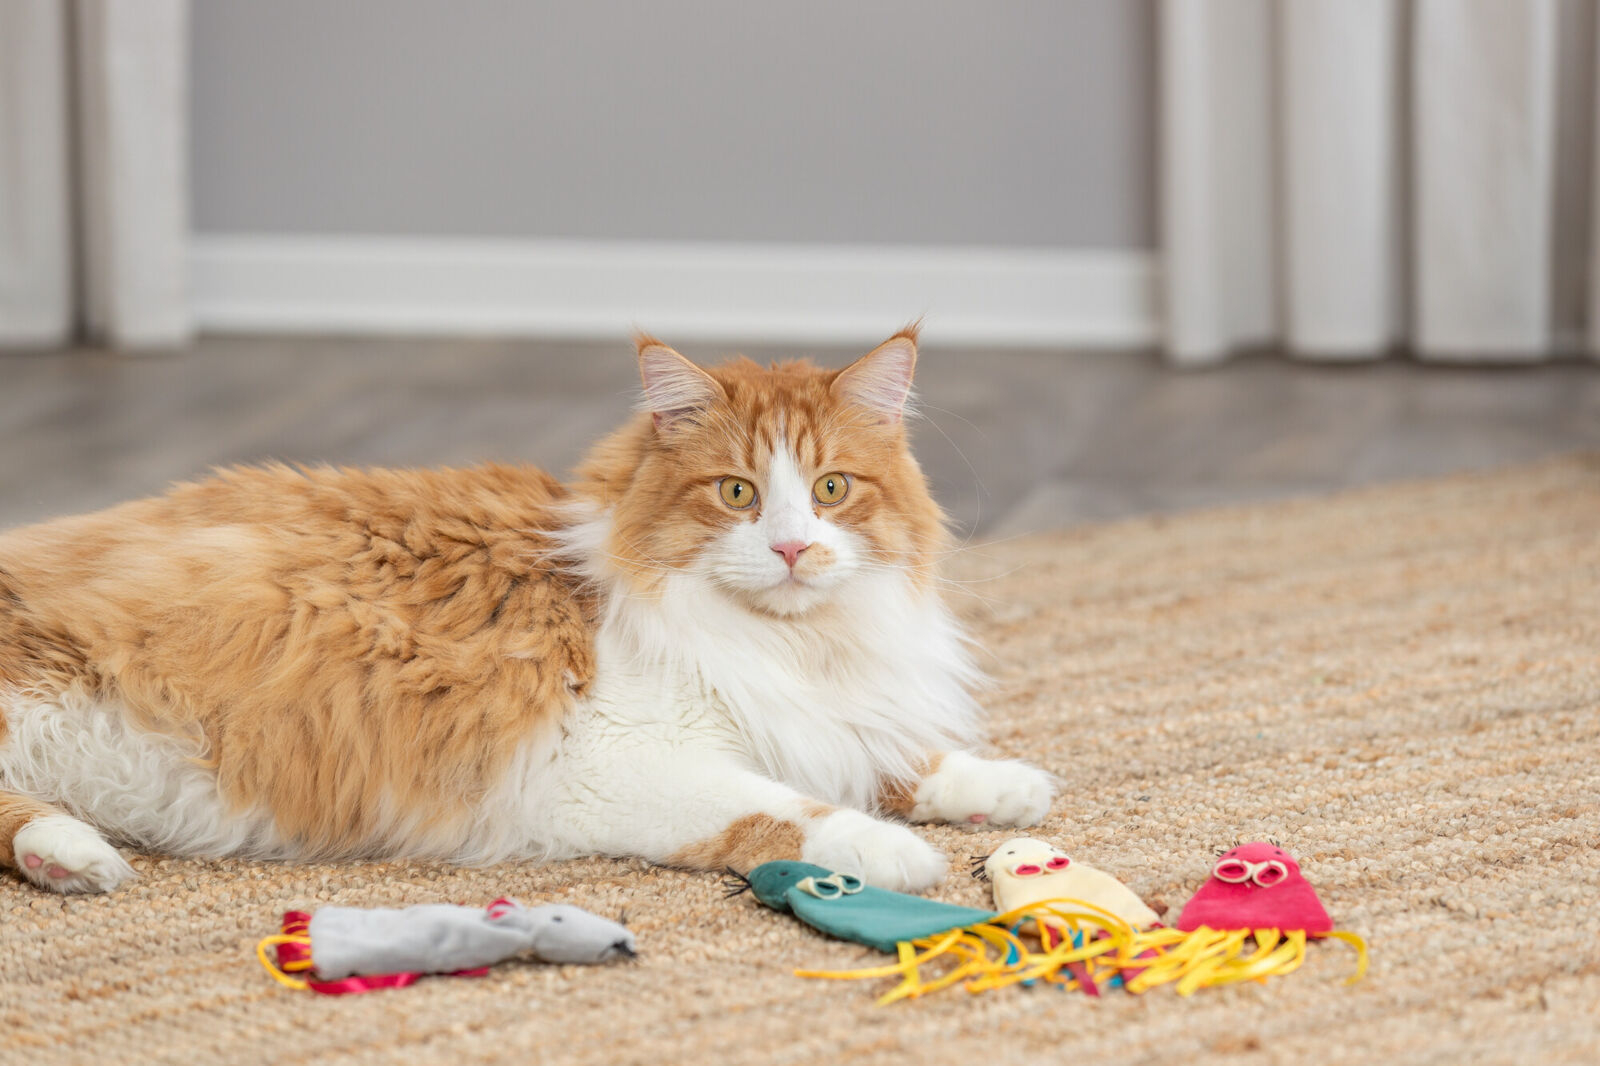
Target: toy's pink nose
[{"x": 790, "y": 550}]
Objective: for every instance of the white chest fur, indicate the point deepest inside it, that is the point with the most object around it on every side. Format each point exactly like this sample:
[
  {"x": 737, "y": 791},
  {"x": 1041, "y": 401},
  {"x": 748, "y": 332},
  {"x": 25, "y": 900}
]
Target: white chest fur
[{"x": 827, "y": 702}]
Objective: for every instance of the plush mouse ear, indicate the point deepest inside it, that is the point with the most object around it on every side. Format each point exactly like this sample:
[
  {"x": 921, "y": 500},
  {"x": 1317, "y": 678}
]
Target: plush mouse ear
[
  {"x": 880, "y": 381},
  {"x": 674, "y": 388}
]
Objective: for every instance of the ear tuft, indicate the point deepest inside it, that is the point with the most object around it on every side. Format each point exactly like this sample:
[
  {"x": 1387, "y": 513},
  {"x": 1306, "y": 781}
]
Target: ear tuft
[
  {"x": 880, "y": 381},
  {"x": 674, "y": 388}
]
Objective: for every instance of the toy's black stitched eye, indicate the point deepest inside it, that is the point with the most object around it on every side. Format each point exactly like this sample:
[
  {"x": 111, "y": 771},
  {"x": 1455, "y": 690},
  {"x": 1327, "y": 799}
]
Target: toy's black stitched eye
[{"x": 557, "y": 918}]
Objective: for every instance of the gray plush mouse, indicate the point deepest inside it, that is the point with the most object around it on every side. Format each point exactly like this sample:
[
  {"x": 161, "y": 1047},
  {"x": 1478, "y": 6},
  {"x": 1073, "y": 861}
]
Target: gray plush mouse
[{"x": 343, "y": 942}]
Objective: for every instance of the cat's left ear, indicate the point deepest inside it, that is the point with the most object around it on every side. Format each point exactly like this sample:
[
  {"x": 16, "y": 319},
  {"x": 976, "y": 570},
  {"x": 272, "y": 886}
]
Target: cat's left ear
[
  {"x": 674, "y": 388},
  {"x": 880, "y": 381}
]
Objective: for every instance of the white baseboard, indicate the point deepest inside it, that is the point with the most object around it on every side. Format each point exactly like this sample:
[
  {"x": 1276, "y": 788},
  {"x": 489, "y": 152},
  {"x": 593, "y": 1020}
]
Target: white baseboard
[{"x": 780, "y": 292}]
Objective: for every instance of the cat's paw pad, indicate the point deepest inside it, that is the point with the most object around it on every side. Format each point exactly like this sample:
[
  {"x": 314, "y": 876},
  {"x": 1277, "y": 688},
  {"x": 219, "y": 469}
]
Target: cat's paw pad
[
  {"x": 882, "y": 854},
  {"x": 966, "y": 790},
  {"x": 61, "y": 854}
]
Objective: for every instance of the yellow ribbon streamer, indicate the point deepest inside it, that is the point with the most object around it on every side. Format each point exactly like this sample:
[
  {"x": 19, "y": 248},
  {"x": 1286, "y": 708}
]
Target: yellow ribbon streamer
[
  {"x": 277, "y": 974},
  {"x": 989, "y": 955}
]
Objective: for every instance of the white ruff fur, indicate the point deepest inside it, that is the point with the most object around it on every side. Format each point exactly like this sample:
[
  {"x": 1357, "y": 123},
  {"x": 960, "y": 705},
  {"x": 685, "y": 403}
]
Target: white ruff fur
[{"x": 827, "y": 702}]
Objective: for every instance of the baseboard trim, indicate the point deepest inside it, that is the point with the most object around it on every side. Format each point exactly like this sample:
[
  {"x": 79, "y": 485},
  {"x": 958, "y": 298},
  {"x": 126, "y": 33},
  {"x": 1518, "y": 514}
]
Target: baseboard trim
[{"x": 249, "y": 283}]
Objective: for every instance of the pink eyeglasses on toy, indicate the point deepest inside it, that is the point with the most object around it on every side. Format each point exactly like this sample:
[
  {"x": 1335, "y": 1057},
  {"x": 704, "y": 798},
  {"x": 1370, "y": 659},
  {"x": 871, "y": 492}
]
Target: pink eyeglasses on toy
[
  {"x": 1029, "y": 869},
  {"x": 1262, "y": 874}
]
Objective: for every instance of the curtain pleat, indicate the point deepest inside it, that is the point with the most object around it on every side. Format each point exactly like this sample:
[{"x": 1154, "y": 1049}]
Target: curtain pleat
[
  {"x": 36, "y": 260},
  {"x": 133, "y": 91},
  {"x": 1216, "y": 184},
  {"x": 1429, "y": 170},
  {"x": 94, "y": 187},
  {"x": 1339, "y": 133},
  {"x": 1484, "y": 95}
]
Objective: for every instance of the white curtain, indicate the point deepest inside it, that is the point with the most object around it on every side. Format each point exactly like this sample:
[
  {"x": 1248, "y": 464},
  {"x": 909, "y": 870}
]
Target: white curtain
[
  {"x": 1343, "y": 178},
  {"x": 94, "y": 172}
]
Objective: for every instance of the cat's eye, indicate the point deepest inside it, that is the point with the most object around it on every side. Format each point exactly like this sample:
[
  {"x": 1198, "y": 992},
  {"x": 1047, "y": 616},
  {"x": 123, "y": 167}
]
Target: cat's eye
[
  {"x": 737, "y": 492},
  {"x": 830, "y": 489}
]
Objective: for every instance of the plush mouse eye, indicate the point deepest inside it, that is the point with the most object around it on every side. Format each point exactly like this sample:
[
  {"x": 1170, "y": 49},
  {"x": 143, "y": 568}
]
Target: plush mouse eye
[
  {"x": 830, "y": 489},
  {"x": 737, "y": 492}
]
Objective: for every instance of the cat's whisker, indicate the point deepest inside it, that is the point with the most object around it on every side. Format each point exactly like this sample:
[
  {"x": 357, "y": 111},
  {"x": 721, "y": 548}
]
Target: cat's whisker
[
  {"x": 968, "y": 582},
  {"x": 925, "y": 571},
  {"x": 986, "y": 601},
  {"x": 965, "y": 586},
  {"x": 647, "y": 557},
  {"x": 922, "y": 405},
  {"x": 977, "y": 518},
  {"x": 978, "y": 549}
]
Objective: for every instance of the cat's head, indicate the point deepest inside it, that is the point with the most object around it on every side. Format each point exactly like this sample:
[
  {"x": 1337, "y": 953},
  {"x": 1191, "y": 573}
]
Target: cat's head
[{"x": 777, "y": 485}]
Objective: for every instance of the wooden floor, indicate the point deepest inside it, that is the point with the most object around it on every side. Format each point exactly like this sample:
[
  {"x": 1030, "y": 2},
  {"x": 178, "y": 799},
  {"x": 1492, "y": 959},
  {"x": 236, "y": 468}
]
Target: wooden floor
[{"x": 1013, "y": 441}]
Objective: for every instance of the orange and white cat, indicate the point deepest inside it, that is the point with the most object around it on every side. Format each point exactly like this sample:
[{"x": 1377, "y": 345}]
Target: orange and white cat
[{"x": 723, "y": 643}]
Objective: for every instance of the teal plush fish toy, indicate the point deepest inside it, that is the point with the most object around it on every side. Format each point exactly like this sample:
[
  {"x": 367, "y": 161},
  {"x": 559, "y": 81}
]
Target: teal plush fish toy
[{"x": 842, "y": 906}]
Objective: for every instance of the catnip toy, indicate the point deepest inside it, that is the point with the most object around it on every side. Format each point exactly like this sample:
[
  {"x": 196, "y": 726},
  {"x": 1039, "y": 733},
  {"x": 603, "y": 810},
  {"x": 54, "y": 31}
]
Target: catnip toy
[
  {"x": 341, "y": 950},
  {"x": 1025, "y": 871},
  {"x": 842, "y": 906},
  {"x": 1255, "y": 897}
]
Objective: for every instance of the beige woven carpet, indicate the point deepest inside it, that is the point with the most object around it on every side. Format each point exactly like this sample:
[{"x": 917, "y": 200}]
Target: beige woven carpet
[{"x": 1402, "y": 685}]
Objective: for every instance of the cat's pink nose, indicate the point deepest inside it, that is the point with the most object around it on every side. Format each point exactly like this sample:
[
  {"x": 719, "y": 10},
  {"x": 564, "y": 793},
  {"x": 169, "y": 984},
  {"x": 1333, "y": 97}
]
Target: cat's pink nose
[{"x": 790, "y": 550}]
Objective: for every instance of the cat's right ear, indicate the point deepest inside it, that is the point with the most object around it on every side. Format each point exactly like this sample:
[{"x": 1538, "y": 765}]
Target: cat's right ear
[
  {"x": 674, "y": 388},
  {"x": 880, "y": 381}
]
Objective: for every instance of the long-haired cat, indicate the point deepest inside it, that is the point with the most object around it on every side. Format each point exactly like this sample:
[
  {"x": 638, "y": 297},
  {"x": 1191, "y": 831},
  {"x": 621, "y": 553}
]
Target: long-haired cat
[{"x": 721, "y": 644}]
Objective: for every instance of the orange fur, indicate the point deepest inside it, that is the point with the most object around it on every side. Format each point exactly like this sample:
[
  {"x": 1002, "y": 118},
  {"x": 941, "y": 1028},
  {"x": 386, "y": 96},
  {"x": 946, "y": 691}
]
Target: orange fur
[
  {"x": 898, "y": 797},
  {"x": 338, "y": 639},
  {"x": 744, "y": 845},
  {"x": 15, "y": 812}
]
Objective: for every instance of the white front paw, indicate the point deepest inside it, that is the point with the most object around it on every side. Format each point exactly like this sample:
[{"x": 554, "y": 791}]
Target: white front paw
[
  {"x": 967, "y": 790},
  {"x": 880, "y": 853},
  {"x": 62, "y": 854}
]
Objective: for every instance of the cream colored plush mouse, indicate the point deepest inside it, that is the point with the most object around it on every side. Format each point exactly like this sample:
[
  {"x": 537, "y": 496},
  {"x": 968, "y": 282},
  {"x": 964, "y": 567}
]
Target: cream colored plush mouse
[{"x": 1025, "y": 871}]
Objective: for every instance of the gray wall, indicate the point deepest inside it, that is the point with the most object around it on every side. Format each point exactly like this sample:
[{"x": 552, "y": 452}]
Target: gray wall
[{"x": 914, "y": 121}]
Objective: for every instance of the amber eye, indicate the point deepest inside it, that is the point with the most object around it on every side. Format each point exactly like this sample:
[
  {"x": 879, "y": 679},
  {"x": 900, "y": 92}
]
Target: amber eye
[
  {"x": 830, "y": 489},
  {"x": 737, "y": 492}
]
